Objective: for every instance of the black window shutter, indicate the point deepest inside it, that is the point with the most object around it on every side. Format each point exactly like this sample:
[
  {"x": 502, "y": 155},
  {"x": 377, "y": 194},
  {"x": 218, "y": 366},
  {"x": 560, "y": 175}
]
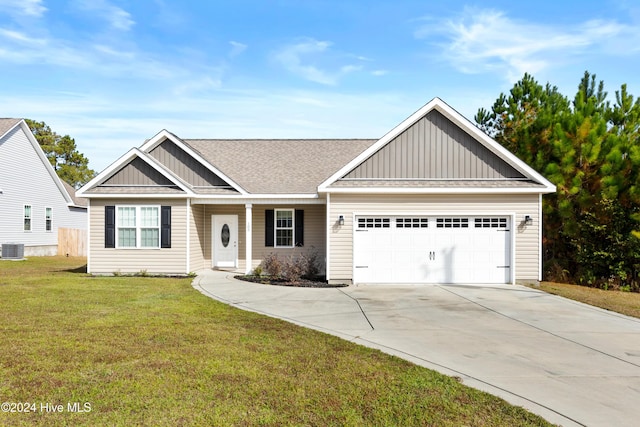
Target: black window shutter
[
  {"x": 165, "y": 227},
  {"x": 109, "y": 226},
  {"x": 268, "y": 227},
  {"x": 299, "y": 230}
]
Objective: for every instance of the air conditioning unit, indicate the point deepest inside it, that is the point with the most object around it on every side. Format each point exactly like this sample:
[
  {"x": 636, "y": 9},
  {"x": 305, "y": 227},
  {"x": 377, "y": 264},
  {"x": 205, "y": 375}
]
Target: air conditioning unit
[{"x": 12, "y": 251}]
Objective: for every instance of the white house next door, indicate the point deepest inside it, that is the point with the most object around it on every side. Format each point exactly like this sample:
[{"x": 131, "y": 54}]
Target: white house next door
[{"x": 224, "y": 246}]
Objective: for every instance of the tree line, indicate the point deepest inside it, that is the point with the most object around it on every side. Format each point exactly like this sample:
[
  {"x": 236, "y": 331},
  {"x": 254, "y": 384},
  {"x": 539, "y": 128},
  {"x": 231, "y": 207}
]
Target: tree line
[{"x": 590, "y": 149}]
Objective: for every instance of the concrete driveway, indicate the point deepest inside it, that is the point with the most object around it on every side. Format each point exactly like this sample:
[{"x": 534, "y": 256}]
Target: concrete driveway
[{"x": 571, "y": 363}]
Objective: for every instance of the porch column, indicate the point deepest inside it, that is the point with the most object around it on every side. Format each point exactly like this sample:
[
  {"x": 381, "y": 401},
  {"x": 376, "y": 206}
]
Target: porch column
[{"x": 248, "y": 237}]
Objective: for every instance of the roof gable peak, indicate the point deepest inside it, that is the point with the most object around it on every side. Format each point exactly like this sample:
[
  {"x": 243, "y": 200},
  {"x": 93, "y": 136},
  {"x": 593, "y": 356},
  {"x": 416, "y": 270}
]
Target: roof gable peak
[{"x": 506, "y": 165}]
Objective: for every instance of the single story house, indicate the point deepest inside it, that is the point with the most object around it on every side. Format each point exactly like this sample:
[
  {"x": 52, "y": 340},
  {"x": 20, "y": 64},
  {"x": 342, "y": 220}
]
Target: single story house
[{"x": 435, "y": 200}]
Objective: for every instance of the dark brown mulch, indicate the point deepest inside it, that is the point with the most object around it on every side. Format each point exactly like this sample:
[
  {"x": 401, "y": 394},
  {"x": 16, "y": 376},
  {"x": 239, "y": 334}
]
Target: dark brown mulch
[{"x": 302, "y": 283}]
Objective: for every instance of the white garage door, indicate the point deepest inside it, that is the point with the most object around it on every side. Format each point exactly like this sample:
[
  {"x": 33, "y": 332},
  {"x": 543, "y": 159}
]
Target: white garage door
[{"x": 430, "y": 249}]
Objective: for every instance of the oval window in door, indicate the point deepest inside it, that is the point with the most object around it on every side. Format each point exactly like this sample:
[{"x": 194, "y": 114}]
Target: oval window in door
[{"x": 224, "y": 235}]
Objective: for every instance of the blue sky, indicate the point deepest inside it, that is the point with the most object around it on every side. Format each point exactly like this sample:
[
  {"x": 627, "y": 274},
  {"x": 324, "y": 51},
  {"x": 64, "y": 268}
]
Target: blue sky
[{"x": 112, "y": 73}]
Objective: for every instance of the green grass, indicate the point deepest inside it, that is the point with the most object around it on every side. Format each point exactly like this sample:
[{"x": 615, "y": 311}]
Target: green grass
[
  {"x": 622, "y": 302},
  {"x": 153, "y": 351}
]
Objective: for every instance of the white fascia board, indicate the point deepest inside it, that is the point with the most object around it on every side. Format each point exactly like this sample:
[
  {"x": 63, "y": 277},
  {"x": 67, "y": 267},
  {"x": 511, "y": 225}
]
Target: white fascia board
[
  {"x": 124, "y": 159},
  {"x": 458, "y": 119},
  {"x": 54, "y": 176},
  {"x": 165, "y": 134},
  {"x": 138, "y": 196},
  {"x": 257, "y": 196},
  {"x": 440, "y": 190},
  {"x": 260, "y": 199}
]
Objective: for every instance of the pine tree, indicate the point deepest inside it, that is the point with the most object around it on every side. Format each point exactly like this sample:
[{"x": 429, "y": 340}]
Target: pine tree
[
  {"x": 591, "y": 151},
  {"x": 62, "y": 152}
]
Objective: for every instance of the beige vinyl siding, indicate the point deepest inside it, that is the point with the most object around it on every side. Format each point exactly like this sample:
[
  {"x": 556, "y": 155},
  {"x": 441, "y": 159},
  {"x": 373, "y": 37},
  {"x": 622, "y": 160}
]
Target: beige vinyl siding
[
  {"x": 314, "y": 234},
  {"x": 197, "y": 239},
  {"x": 527, "y": 244},
  {"x": 434, "y": 148},
  {"x": 153, "y": 261}
]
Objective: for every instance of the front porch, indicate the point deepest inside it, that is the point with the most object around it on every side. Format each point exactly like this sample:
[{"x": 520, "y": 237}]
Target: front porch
[{"x": 237, "y": 236}]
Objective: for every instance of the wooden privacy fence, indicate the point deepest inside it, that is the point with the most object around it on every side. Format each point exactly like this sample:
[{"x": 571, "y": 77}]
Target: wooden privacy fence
[{"x": 72, "y": 242}]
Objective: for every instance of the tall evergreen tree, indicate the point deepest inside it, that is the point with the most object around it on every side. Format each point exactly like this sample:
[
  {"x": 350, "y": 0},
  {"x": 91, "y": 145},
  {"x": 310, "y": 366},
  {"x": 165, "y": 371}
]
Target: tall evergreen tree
[
  {"x": 62, "y": 152},
  {"x": 591, "y": 151}
]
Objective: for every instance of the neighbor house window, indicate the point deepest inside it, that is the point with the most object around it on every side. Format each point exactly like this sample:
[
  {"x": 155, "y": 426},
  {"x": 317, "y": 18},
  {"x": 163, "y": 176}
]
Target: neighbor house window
[
  {"x": 138, "y": 226},
  {"x": 284, "y": 228},
  {"x": 27, "y": 218},
  {"x": 47, "y": 218}
]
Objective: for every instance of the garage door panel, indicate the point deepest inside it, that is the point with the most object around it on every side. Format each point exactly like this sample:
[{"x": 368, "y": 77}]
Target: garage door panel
[{"x": 432, "y": 250}]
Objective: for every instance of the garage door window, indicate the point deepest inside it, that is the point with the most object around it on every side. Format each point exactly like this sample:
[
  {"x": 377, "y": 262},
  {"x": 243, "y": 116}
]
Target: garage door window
[
  {"x": 491, "y": 222},
  {"x": 374, "y": 222},
  {"x": 412, "y": 222},
  {"x": 452, "y": 222}
]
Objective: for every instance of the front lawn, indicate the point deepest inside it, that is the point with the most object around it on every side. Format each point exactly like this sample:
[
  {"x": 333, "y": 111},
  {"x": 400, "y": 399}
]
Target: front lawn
[
  {"x": 622, "y": 302},
  {"x": 154, "y": 351}
]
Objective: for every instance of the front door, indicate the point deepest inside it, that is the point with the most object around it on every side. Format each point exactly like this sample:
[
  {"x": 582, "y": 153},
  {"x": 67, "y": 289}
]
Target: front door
[{"x": 224, "y": 245}]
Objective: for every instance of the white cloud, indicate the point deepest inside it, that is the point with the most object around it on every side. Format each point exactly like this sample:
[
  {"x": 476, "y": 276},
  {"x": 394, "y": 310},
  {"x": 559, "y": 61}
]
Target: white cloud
[
  {"x": 490, "y": 41},
  {"x": 301, "y": 59},
  {"x": 237, "y": 48},
  {"x": 378, "y": 73},
  {"x": 116, "y": 17},
  {"x": 21, "y": 38},
  {"x": 23, "y": 7},
  {"x": 198, "y": 85},
  {"x": 291, "y": 58}
]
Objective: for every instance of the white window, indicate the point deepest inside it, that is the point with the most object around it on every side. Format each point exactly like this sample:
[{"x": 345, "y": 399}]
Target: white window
[
  {"x": 48, "y": 216},
  {"x": 138, "y": 227},
  {"x": 284, "y": 228},
  {"x": 27, "y": 218}
]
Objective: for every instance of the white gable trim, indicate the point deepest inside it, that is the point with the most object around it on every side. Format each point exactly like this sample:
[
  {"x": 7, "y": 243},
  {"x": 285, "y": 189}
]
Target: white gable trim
[
  {"x": 460, "y": 121},
  {"x": 43, "y": 158},
  {"x": 165, "y": 134},
  {"x": 122, "y": 161},
  {"x": 438, "y": 190}
]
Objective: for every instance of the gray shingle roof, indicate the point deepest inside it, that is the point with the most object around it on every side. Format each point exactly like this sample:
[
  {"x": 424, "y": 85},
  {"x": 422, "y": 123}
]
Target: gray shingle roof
[
  {"x": 277, "y": 166},
  {"x": 6, "y": 124},
  {"x": 78, "y": 201}
]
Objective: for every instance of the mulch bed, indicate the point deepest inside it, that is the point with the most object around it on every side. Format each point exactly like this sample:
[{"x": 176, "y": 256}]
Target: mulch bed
[{"x": 302, "y": 283}]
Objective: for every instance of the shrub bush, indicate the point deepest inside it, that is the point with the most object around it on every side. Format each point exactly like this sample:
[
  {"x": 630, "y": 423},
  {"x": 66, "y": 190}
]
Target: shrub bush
[
  {"x": 292, "y": 269},
  {"x": 272, "y": 265}
]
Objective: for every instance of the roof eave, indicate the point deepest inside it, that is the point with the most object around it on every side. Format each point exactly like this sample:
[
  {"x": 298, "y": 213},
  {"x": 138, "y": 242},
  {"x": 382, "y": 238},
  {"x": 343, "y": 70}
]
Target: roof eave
[{"x": 439, "y": 190}]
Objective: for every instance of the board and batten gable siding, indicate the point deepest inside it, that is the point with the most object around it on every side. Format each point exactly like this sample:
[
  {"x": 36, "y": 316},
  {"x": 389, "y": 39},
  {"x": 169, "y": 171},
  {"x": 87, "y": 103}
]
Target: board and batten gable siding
[
  {"x": 527, "y": 244},
  {"x": 25, "y": 180},
  {"x": 186, "y": 167},
  {"x": 138, "y": 172},
  {"x": 127, "y": 261},
  {"x": 434, "y": 148}
]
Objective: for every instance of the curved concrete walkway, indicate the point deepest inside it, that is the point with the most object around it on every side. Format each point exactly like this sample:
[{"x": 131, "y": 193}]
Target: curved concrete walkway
[{"x": 571, "y": 363}]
